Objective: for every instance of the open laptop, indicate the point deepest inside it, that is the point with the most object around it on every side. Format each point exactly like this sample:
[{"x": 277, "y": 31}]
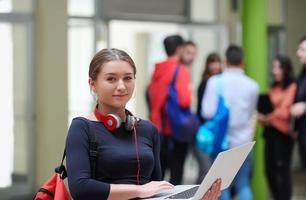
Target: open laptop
[{"x": 225, "y": 166}]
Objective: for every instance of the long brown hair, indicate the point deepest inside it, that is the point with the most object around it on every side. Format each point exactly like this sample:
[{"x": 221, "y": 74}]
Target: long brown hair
[
  {"x": 107, "y": 55},
  {"x": 213, "y": 57}
]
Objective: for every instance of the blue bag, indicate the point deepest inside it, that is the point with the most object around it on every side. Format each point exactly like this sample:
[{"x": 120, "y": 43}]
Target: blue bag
[
  {"x": 211, "y": 137},
  {"x": 183, "y": 122}
]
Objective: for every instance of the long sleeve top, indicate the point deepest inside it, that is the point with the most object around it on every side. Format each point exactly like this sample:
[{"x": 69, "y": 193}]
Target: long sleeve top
[
  {"x": 301, "y": 97},
  {"x": 158, "y": 90},
  {"x": 200, "y": 94},
  {"x": 241, "y": 94},
  {"x": 117, "y": 160},
  {"x": 281, "y": 99}
]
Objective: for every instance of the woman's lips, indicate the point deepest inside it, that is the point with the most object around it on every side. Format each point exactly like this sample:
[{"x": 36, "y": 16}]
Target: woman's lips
[{"x": 120, "y": 95}]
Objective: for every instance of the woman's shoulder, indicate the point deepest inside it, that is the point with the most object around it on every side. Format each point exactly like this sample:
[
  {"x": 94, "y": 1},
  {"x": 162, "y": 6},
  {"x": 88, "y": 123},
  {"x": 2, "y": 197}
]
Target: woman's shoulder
[
  {"x": 79, "y": 122},
  {"x": 79, "y": 126}
]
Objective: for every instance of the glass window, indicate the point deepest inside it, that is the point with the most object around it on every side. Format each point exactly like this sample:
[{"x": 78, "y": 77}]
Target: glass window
[
  {"x": 15, "y": 115},
  {"x": 203, "y": 10},
  {"x": 6, "y": 106},
  {"x": 81, "y": 8},
  {"x": 80, "y": 53},
  {"x": 8, "y": 6}
]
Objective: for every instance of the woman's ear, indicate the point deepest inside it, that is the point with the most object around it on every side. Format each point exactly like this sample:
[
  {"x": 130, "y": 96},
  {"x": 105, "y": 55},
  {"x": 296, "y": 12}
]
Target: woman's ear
[{"x": 92, "y": 85}]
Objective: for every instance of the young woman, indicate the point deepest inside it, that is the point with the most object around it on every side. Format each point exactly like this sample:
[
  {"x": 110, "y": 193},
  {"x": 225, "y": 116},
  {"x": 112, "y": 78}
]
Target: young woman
[
  {"x": 212, "y": 67},
  {"x": 279, "y": 144},
  {"x": 128, "y": 164}
]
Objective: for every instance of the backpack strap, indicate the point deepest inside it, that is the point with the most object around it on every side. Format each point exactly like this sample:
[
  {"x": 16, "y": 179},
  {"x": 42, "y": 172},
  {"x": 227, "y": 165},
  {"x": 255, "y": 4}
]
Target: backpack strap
[
  {"x": 93, "y": 145},
  {"x": 93, "y": 153},
  {"x": 177, "y": 69},
  {"x": 62, "y": 169}
]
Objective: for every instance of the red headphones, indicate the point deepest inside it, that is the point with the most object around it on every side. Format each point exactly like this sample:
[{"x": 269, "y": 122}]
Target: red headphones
[{"x": 112, "y": 121}]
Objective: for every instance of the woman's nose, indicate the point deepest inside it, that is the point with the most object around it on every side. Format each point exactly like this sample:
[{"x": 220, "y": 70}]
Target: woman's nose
[{"x": 121, "y": 85}]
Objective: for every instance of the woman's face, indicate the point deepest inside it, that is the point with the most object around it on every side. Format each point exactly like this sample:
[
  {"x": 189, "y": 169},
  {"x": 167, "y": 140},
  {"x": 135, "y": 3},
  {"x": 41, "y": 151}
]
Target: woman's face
[
  {"x": 301, "y": 52},
  {"x": 115, "y": 84},
  {"x": 214, "y": 67},
  {"x": 277, "y": 71}
]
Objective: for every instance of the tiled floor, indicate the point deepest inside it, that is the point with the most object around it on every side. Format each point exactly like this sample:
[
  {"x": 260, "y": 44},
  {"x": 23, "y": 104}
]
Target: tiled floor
[{"x": 299, "y": 185}]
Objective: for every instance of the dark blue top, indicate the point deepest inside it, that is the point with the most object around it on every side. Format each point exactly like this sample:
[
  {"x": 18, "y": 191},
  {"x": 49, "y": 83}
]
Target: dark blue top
[
  {"x": 300, "y": 123},
  {"x": 117, "y": 160},
  {"x": 201, "y": 92}
]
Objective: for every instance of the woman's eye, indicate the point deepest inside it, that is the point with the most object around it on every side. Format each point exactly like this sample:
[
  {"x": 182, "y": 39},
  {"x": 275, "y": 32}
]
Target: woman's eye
[
  {"x": 128, "y": 78},
  {"x": 111, "y": 79}
]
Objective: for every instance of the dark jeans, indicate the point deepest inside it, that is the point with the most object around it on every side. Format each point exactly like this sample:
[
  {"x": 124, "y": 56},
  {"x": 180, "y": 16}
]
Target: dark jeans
[
  {"x": 204, "y": 163},
  {"x": 173, "y": 155},
  {"x": 302, "y": 145},
  {"x": 278, "y": 154}
]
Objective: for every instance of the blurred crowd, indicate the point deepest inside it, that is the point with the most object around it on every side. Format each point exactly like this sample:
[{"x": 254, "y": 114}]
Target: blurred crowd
[{"x": 281, "y": 111}]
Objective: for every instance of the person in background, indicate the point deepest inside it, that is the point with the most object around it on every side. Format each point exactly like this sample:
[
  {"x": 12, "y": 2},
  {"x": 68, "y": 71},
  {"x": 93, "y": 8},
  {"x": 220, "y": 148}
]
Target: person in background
[
  {"x": 298, "y": 110},
  {"x": 241, "y": 94},
  {"x": 278, "y": 142},
  {"x": 173, "y": 152},
  {"x": 212, "y": 67},
  {"x": 128, "y": 164},
  {"x": 204, "y": 162},
  {"x": 189, "y": 53}
]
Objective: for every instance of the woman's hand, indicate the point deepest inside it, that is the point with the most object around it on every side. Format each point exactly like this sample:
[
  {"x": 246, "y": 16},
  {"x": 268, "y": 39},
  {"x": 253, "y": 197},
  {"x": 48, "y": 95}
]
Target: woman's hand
[
  {"x": 153, "y": 187},
  {"x": 262, "y": 119},
  {"x": 298, "y": 109},
  {"x": 214, "y": 192}
]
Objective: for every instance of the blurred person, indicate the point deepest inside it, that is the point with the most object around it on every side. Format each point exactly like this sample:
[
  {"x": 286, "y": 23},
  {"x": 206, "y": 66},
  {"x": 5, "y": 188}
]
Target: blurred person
[
  {"x": 128, "y": 148},
  {"x": 241, "y": 94},
  {"x": 204, "y": 162},
  {"x": 189, "y": 53},
  {"x": 278, "y": 142},
  {"x": 298, "y": 109},
  {"x": 173, "y": 152},
  {"x": 212, "y": 67}
]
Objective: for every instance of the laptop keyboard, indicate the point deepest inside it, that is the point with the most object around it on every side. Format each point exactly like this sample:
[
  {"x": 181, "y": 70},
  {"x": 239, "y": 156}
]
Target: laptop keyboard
[{"x": 185, "y": 194}]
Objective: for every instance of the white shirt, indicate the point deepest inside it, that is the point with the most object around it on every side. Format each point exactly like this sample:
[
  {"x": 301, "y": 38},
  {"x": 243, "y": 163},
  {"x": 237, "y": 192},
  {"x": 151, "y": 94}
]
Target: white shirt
[{"x": 241, "y": 95}]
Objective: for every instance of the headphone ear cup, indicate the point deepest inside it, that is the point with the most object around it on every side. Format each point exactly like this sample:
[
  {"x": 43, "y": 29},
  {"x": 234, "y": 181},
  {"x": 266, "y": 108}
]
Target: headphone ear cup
[
  {"x": 112, "y": 122},
  {"x": 130, "y": 122}
]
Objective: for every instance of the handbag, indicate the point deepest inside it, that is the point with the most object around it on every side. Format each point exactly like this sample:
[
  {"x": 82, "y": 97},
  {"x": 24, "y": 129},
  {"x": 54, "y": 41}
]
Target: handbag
[
  {"x": 54, "y": 188},
  {"x": 183, "y": 122},
  {"x": 211, "y": 137}
]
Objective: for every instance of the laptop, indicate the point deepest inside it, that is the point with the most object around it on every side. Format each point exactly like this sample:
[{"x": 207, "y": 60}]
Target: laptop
[{"x": 225, "y": 166}]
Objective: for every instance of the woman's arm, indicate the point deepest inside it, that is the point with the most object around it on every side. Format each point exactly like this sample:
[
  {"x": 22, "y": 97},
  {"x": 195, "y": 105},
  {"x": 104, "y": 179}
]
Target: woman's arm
[
  {"x": 156, "y": 174},
  {"x": 279, "y": 118},
  {"x": 81, "y": 185},
  {"x": 122, "y": 191}
]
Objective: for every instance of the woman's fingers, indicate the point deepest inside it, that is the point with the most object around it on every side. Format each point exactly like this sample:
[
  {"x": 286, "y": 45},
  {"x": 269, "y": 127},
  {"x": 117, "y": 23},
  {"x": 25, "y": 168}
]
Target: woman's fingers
[
  {"x": 214, "y": 191},
  {"x": 166, "y": 185}
]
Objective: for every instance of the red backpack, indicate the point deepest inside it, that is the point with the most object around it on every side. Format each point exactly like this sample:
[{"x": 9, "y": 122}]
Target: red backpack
[{"x": 54, "y": 188}]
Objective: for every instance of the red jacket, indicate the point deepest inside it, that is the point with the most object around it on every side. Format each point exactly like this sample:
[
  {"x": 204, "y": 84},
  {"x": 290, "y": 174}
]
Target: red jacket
[{"x": 158, "y": 89}]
